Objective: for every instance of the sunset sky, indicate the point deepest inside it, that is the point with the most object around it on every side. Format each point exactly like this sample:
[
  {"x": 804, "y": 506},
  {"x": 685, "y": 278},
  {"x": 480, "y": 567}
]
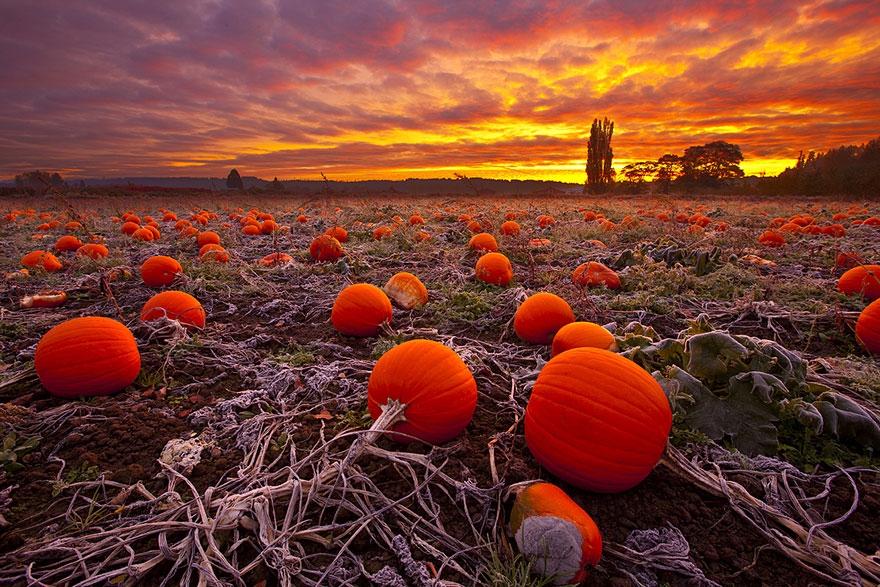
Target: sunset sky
[{"x": 423, "y": 88}]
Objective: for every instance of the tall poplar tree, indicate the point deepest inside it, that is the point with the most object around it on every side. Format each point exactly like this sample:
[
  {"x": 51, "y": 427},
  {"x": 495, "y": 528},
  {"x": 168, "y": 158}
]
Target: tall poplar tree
[{"x": 600, "y": 174}]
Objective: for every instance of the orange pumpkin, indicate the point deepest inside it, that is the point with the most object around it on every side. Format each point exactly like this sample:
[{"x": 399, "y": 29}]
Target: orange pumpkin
[
  {"x": 494, "y": 268},
  {"x": 381, "y": 232},
  {"x": 275, "y": 259},
  {"x": 87, "y": 357},
  {"x": 250, "y": 229},
  {"x": 143, "y": 234},
  {"x": 129, "y": 228},
  {"x": 545, "y": 220},
  {"x": 868, "y": 328},
  {"x": 406, "y": 290},
  {"x": 325, "y": 248},
  {"x": 595, "y": 274},
  {"x": 597, "y": 420},
  {"x": 545, "y": 519},
  {"x": 360, "y": 309},
  {"x": 68, "y": 243},
  {"x": 47, "y": 298},
  {"x": 160, "y": 271},
  {"x": 848, "y": 259},
  {"x": 338, "y": 233},
  {"x": 93, "y": 250},
  {"x": 771, "y": 238},
  {"x": 44, "y": 259},
  {"x": 213, "y": 252},
  {"x": 175, "y": 305},
  {"x": 510, "y": 228},
  {"x": 539, "y": 318},
  {"x": 438, "y": 389},
  {"x": 208, "y": 238},
  {"x": 483, "y": 241},
  {"x": 583, "y": 334},
  {"x": 864, "y": 279}
]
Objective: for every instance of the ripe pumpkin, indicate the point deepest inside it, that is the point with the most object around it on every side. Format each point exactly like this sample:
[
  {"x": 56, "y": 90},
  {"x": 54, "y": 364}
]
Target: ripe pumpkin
[
  {"x": 595, "y": 274},
  {"x": 555, "y": 533},
  {"x": 67, "y": 243},
  {"x": 44, "y": 259},
  {"x": 494, "y": 268},
  {"x": 129, "y": 228},
  {"x": 483, "y": 241},
  {"x": 208, "y": 237},
  {"x": 213, "y": 252},
  {"x": 771, "y": 238},
  {"x": 175, "y": 305},
  {"x": 160, "y": 271},
  {"x": 868, "y": 328},
  {"x": 250, "y": 230},
  {"x": 143, "y": 234},
  {"x": 848, "y": 259},
  {"x": 438, "y": 389},
  {"x": 538, "y": 319},
  {"x": 325, "y": 248},
  {"x": 93, "y": 250},
  {"x": 406, "y": 290},
  {"x": 275, "y": 259},
  {"x": 510, "y": 228},
  {"x": 269, "y": 226},
  {"x": 864, "y": 279},
  {"x": 381, "y": 232},
  {"x": 338, "y": 233},
  {"x": 597, "y": 420},
  {"x": 583, "y": 334},
  {"x": 360, "y": 309},
  {"x": 87, "y": 356}
]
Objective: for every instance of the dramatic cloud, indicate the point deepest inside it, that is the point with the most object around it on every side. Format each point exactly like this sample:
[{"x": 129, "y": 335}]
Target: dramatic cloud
[{"x": 420, "y": 88}]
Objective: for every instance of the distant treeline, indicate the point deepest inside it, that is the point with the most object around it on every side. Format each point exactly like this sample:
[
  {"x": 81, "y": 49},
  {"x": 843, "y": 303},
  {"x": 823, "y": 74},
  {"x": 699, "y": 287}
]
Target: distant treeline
[{"x": 852, "y": 170}]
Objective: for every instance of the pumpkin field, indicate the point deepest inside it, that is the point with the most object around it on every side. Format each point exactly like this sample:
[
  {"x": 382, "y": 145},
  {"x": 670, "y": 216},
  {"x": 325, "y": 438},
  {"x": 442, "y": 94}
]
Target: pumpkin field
[{"x": 258, "y": 389}]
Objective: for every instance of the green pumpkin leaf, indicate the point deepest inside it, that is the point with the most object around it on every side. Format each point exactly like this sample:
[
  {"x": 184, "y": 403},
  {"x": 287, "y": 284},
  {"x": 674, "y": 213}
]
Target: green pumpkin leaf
[
  {"x": 762, "y": 384},
  {"x": 806, "y": 413},
  {"x": 681, "y": 387},
  {"x": 774, "y": 358},
  {"x": 712, "y": 354},
  {"x": 847, "y": 420}
]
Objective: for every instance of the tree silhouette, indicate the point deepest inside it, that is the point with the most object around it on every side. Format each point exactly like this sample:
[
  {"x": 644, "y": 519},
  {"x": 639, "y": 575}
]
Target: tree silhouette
[
  {"x": 233, "y": 180},
  {"x": 600, "y": 174}
]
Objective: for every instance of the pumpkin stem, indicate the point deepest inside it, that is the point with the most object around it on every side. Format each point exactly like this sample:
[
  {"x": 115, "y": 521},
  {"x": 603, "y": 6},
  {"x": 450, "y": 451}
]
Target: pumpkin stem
[{"x": 392, "y": 413}]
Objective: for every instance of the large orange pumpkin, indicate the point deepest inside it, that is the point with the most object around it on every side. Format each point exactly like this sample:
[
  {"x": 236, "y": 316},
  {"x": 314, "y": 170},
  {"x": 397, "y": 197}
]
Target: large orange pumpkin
[
  {"x": 583, "y": 334},
  {"x": 406, "y": 290},
  {"x": 175, "y": 305},
  {"x": 483, "y": 241},
  {"x": 431, "y": 379},
  {"x": 208, "y": 238},
  {"x": 325, "y": 248},
  {"x": 868, "y": 328},
  {"x": 771, "y": 238},
  {"x": 545, "y": 519},
  {"x": 494, "y": 268},
  {"x": 87, "y": 357},
  {"x": 338, "y": 233},
  {"x": 93, "y": 250},
  {"x": 67, "y": 243},
  {"x": 160, "y": 271},
  {"x": 864, "y": 279},
  {"x": 43, "y": 259},
  {"x": 595, "y": 274},
  {"x": 360, "y": 309},
  {"x": 539, "y": 317},
  {"x": 510, "y": 228},
  {"x": 597, "y": 420}
]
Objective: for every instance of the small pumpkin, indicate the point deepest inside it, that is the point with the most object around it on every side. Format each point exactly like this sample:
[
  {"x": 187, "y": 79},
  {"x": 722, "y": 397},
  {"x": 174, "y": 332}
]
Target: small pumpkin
[
  {"x": 539, "y": 317},
  {"x": 595, "y": 274},
  {"x": 597, "y": 420},
  {"x": 213, "y": 252},
  {"x": 406, "y": 290},
  {"x": 583, "y": 334},
  {"x": 129, "y": 228},
  {"x": 360, "y": 310},
  {"x": 771, "y": 238},
  {"x": 175, "y": 305},
  {"x": 437, "y": 388},
  {"x": 338, "y": 233},
  {"x": 93, "y": 250},
  {"x": 494, "y": 268},
  {"x": 268, "y": 226},
  {"x": 275, "y": 259},
  {"x": 160, "y": 271},
  {"x": 510, "y": 228},
  {"x": 325, "y": 248},
  {"x": 67, "y": 243},
  {"x": 208, "y": 238},
  {"x": 863, "y": 279},
  {"x": 483, "y": 241},
  {"x": 555, "y": 533},
  {"x": 868, "y": 328},
  {"x": 143, "y": 234},
  {"x": 87, "y": 357},
  {"x": 381, "y": 232}
]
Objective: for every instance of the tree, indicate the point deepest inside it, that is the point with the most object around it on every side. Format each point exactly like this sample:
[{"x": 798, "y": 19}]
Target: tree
[
  {"x": 600, "y": 174},
  {"x": 39, "y": 181},
  {"x": 718, "y": 160},
  {"x": 233, "y": 180},
  {"x": 640, "y": 171}
]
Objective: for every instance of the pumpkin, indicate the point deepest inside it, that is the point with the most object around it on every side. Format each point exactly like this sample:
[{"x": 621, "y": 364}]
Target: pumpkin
[
  {"x": 325, "y": 248},
  {"x": 510, "y": 228},
  {"x": 47, "y": 298},
  {"x": 87, "y": 357},
  {"x": 338, "y": 233},
  {"x": 129, "y": 228},
  {"x": 213, "y": 252},
  {"x": 431, "y": 380},
  {"x": 595, "y": 274},
  {"x": 494, "y": 268},
  {"x": 73, "y": 226},
  {"x": 597, "y": 420},
  {"x": 169, "y": 217},
  {"x": 250, "y": 230},
  {"x": 834, "y": 230},
  {"x": 268, "y": 226},
  {"x": 175, "y": 305},
  {"x": 545, "y": 220},
  {"x": 583, "y": 334},
  {"x": 864, "y": 279},
  {"x": 771, "y": 238},
  {"x": 848, "y": 259},
  {"x": 406, "y": 290},
  {"x": 539, "y": 317},
  {"x": 381, "y": 232},
  {"x": 44, "y": 259},
  {"x": 555, "y": 533},
  {"x": 868, "y": 328},
  {"x": 208, "y": 238},
  {"x": 416, "y": 219},
  {"x": 67, "y": 243},
  {"x": 360, "y": 309},
  {"x": 275, "y": 259},
  {"x": 483, "y": 241},
  {"x": 160, "y": 271},
  {"x": 143, "y": 234},
  {"x": 93, "y": 250}
]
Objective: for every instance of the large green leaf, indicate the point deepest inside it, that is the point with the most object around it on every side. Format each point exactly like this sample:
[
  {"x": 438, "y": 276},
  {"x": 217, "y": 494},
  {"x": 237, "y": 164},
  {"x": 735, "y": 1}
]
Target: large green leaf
[
  {"x": 714, "y": 354},
  {"x": 772, "y": 357},
  {"x": 847, "y": 420}
]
